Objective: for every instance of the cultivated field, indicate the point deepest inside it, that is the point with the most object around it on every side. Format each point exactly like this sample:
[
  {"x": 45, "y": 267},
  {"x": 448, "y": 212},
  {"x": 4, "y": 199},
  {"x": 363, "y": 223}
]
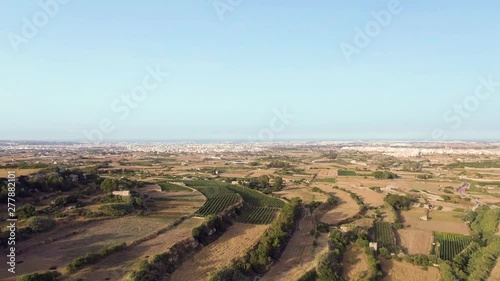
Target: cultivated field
[
  {"x": 89, "y": 238},
  {"x": 369, "y": 197},
  {"x": 234, "y": 243},
  {"x": 116, "y": 266},
  {"x": 415, "y": 241},
  {"x": 18, "y": 172},
  {"x": 299, "y": 255},
  {"x": 346, "y": 207},
  {"x": 396, "y": 271},
  {"x": 440, "y": 221},
  {"x": 304, "y": 193}
]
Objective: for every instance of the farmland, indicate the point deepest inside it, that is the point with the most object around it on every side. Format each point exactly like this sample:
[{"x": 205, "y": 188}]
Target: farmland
[
  {"x": 402, "y": 271},
  {"x": 384, "y": 235},
  {"x": 233, "y": 244},
  {"x": 193, "y": 186},
  {"x": 217, "y": 204},
  {"x": 258, "y": 215},
  {"x": 448, "y": 245},
  {"x": 256, "y": 198},
  {"x": 414, "y": 241}
]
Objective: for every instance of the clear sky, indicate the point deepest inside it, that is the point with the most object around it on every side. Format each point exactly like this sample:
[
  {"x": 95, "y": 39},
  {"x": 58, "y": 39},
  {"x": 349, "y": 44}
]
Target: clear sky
[{"x": 66, "y": 69}]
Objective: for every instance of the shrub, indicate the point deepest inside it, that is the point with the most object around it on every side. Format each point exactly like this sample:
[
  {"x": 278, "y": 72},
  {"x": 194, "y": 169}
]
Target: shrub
[
  {"x": 332, "y": 200},
  {"x": 40, "y": 224},
  {"x": 316, "y": 189},
  {"x": 46, "y": 276},
  {"x": 26, "y": 211},
  {"x": 384, "y": 175},
  {"x": 116, "y": 210},
  {"x": 91, "y": 258},
  {"x": 322, "y": 227}
]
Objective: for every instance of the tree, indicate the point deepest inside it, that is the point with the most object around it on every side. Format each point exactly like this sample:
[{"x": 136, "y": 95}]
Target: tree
[
  {"x": 40, "y": 224},
  {"x": 278, "y": 183},
  {"x": 26, "y": 211},
  {"x": 109, "y": 185}
]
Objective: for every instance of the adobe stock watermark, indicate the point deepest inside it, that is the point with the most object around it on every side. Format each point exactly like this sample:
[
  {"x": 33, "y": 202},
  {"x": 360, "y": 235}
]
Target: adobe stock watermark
[
  {"x": 372, "y": 29},
  {"x": 222, "y": 7},
  {"x": 462, "y": 111},
  {"x": 277, "y": 124},
  {"x": 31, "y": 26},
  {"x": 121, "y": 107}
]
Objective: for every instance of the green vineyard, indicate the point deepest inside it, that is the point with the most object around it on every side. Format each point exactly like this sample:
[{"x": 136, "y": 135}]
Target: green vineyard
[
  {"x": 258, "y": 215},
  {"x": 218, "y": 196},
  {"x": 257, "y": 199},
  {"x": 384, "y": 236},
  {"x": 260, "y": 208},
  {"x": 209, "y": 188},
  {"x": 217, "y": 204},
  {"x": 448, "y": 245}
]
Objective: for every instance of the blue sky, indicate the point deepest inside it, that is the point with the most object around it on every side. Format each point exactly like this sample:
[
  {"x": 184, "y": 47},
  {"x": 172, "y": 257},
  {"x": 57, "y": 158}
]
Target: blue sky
[{"x": 227, "y": 77}]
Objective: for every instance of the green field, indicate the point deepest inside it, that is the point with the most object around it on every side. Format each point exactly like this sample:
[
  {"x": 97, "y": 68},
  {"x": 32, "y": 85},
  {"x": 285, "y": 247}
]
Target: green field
[
  {"x": 218, "y": 196},
  {"x": 261, "y": 209},
  {"x": 448, "y": 245},
  {"x": 217, "y": 204},
  {"x": 384, "y": 236},
  {"x": 479, "y": 165},
  {"x": 209, "y": 188},
  {"x": 346, "y": 173},
  {"x": 258, "y": 215},
  {"x": 171, "y": 187},
  {"x": 255, "y": 198}
]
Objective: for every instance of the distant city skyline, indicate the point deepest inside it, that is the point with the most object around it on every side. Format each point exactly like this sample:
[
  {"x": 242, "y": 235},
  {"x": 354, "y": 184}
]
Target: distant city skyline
[{"x": 257, "y": 71}]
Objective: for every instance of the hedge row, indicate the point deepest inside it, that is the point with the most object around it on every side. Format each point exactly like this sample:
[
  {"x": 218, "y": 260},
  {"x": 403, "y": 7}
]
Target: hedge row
[{"x": 91, "y": 258}]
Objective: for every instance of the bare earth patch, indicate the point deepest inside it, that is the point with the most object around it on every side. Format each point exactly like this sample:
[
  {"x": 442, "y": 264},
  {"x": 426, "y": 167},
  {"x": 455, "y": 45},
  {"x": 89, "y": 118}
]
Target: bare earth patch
[
  {"x": 495, "y": 273},
  {"x": 415, "y": 241},
  {"x": 234, "y": 243},
  {"x": 398, "y": 271}
]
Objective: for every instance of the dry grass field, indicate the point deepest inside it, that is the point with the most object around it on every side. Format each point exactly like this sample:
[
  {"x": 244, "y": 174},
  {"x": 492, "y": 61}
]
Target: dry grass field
[
  {"x": 91, "y": 237},
  {"x": 18, "y": 172},
  {"x": 116, "y": 266},
  {"x": 345, "y": 208},
  {"x": 397, "y": 271},
  {"x": 327, "y": 173},
  {"x": 354, "y": 264},
  {"x": 440, "y": 221},
  {"x": 234, "y": 243},
  {"x": 368, "y": 196},
  {"x": 415, "y": 241},
  {"x": 304, "y": 193},
  {"x": 299, "y": 255}
]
